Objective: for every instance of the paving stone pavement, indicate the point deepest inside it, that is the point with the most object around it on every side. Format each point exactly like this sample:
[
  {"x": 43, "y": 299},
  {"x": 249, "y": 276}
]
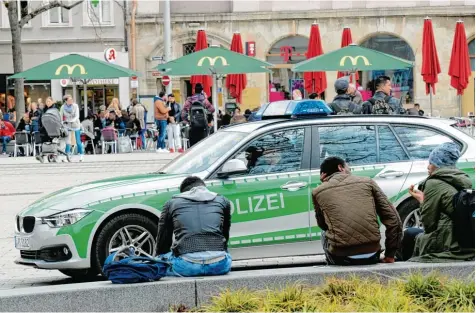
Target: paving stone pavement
[{"x": 24, "y": 180}]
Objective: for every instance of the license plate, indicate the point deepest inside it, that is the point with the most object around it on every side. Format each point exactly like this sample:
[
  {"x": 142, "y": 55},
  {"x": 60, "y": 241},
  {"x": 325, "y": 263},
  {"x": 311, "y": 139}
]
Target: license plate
[{"x": 22, "y": 242}]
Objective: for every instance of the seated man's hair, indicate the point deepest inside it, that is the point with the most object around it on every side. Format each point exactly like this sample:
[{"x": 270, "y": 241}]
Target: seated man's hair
[
  {"x": 190, "y": 182},
  {"x": 331, "y": 165}
]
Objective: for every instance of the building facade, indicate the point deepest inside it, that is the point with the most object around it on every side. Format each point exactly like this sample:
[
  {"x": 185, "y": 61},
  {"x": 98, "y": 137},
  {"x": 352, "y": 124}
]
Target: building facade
[
  {"x": 87, "y": 29},
  {"x": 280, "y": 32}
]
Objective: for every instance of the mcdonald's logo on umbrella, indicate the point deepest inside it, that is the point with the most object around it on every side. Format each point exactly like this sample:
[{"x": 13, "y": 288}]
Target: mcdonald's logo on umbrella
[
  {"x": 70, "y": 69},
  {"x": 212, "y": 61},
  {"x": 354, "y": 60}
]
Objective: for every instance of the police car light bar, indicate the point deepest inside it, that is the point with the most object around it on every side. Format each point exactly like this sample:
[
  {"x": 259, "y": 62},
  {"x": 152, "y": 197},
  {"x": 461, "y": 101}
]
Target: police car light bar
[{"x": 296, "y": 109}]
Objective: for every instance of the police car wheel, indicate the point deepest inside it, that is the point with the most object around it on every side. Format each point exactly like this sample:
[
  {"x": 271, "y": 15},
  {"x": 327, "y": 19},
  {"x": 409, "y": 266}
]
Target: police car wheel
[
  {"x": 128, "y": 229},
  {"x": 409, "y": 213},
  {"x": 80, "y": 274}
]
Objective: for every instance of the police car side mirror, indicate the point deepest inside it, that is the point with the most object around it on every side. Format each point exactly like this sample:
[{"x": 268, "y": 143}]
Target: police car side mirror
[{"x": 232, "y": 167}]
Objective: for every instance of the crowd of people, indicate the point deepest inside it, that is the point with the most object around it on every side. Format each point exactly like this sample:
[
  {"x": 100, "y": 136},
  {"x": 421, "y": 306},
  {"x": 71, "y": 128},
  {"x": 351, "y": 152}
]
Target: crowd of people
[
  {"x": 194, "y": 228},
  {"x": 349, "y": 100}
]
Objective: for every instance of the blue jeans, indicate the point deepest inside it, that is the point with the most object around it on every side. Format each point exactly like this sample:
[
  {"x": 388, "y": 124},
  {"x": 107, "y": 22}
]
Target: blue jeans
[
  {"x": 188, "y": 269},
  {"x": 5, "y": 140},
  {"x": 142, "y": 138},
  {"x": 162, "y": 128},
  {"x": 79, "y": 144}
]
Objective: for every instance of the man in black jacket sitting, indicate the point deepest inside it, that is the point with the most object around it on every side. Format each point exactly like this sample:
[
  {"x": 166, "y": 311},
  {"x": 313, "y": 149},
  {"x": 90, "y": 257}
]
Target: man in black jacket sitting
[{"x": 200, "y": 220}]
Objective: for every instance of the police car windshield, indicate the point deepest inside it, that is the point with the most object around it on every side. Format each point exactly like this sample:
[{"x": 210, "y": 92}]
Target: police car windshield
[{"x": 202, "y": 155}]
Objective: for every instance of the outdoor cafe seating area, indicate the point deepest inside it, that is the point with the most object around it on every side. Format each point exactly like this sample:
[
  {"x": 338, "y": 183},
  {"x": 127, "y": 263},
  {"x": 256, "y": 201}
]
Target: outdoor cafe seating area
[{"x": 111, "y": 141}]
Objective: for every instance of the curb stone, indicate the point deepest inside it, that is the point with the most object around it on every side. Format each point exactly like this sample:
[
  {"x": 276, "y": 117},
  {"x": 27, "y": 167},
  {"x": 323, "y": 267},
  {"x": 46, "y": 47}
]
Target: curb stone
[{"x": 192, "y": 292}]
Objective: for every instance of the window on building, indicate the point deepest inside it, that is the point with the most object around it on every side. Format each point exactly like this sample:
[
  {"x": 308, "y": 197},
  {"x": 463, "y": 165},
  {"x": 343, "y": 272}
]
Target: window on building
[
  {"x": 100, "y": 12},
  {"x": 188, "y": 48},
  {"x": 357, "y": 145},
  {"x": 59, "y": 17},
  {"x": 420, "y": 141},
  {"x": 471, "y": 53},
  {"x": 402, "y": 80},
  {"x": 277, "y": 152},
  {"x": 23, "y": 10}
]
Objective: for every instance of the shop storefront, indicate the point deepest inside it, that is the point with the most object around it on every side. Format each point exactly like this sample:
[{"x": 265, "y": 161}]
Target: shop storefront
[
  {"x": 283, "y": 55},
  {"x": 99, "y": 92}
]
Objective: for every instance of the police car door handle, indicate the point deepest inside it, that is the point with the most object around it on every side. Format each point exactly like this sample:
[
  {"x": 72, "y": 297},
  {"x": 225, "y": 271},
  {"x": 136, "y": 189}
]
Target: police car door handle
[
  {"x": 391, "y": 174},
  {"x": 294, "y": 186}
]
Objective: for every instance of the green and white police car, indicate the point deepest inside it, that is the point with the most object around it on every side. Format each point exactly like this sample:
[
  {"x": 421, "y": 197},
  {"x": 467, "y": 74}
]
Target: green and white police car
[{"x": 267, "y": 169}]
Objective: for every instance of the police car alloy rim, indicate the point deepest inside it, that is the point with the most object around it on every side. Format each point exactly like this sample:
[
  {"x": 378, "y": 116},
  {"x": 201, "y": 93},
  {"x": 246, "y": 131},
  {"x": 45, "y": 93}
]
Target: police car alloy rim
[
  {"x": 133, "y": 235},
  {"x": 413, "y": 219}
]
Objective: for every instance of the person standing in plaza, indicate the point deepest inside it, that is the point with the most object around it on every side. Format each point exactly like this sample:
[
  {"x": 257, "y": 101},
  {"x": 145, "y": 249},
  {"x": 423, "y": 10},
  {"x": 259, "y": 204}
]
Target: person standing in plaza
[
  {"x": 354, "y": 94},
  {"x": 173, "y": 126},
  {"x": 195, "y": 112},
  {"x": 69, "y": 113},
  {"x": 342, "y": 103},
  {"x": 161, "y": 113},
  {"x": 139, "y": 110},
  {"x": 382, "y": 102}
]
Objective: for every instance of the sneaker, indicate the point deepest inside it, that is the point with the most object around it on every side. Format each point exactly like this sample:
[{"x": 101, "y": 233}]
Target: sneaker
[
  {"x": 172, "y": 151},
  {"x": 158, "y": 150},
  {"x": 81, "y": 158},
  {"x": 40, "y": 158},
  {"x": 180, "y": 150}
]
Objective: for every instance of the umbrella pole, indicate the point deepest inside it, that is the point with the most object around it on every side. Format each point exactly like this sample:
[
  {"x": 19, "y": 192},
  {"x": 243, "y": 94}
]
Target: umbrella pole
[
  {"x": 215, "y": 102},
  {"x": 431, "y": 102},
  {"x": 74, "y": 91},
  {"x": 460, "y": 109},
  {"x": 85, "y": 101}
]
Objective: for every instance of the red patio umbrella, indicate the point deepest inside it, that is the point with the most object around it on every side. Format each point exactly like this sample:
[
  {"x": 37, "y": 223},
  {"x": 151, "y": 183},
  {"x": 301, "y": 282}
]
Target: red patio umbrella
[
  {"x": 430, "y": 65},
  {"x": 347, "y": 40},
  {"x": 315, "y": 81},
  {"x": 459, "y": 69},
  {"x": 205, "y": 80},
  {"x": 236, "y": 83}
]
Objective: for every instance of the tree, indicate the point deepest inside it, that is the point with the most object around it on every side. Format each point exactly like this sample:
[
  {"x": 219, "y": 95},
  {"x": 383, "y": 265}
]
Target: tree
[{"x": 17, "y": 21}]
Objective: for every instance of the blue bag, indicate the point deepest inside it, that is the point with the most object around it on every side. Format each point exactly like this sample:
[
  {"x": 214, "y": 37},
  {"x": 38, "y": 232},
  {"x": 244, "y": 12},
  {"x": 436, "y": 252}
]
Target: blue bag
[{"x": 133, "y": 269}]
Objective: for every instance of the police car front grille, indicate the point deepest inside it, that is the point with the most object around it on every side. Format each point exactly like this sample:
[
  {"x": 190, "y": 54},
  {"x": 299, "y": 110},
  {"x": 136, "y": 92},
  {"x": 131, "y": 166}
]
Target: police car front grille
[
  {"x": 28, "y": 223},
  {"x": 29, "y": 254}
]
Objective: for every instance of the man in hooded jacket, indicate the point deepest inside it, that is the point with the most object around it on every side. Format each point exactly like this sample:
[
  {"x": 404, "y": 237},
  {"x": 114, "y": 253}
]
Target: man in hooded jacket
[{"x": 194, "y": 230}]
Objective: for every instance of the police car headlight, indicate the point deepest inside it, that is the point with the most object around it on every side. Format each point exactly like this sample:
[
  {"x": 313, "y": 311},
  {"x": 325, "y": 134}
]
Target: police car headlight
[{"x": 65, "y": 218}]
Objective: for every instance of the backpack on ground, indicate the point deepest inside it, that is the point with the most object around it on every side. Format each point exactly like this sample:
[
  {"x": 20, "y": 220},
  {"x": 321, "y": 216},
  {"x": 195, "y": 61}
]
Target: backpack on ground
[
  {"x": 198, "y": 115},
  {"x": 132, "y": 269},
  {"x": 380, "y": 106},
  {"x": 463, "y": 216}
]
